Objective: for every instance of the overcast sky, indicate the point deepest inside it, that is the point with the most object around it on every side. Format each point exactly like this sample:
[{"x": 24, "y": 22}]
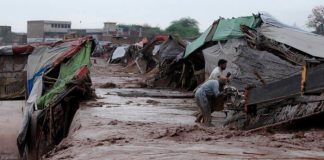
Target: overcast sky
[{"x": 92, "y": 13}]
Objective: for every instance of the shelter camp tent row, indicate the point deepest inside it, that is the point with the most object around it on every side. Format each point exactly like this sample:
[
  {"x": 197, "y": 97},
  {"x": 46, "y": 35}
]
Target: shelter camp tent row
[
  {"x": 261, "y": 52},
  {"x": 57, "y": 78}
]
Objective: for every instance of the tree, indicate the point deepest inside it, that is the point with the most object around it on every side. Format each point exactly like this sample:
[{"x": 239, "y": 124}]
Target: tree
[
  {"x": 184, "y": 27},
  {"x": 316, "y": 19}
]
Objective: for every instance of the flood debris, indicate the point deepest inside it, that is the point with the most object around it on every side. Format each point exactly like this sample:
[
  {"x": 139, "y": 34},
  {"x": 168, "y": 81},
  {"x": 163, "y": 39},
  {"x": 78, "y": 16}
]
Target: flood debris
[
  {"x": 108, "y": 85},
  {"x": 153, "y": 102},
  {"x": 140, "y": 60},
  {"x": 57, "y": 79}
]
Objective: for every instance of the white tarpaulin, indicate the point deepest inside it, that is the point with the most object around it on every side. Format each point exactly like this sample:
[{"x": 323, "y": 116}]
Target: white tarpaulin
[
  {"x": 6, "y": 50},
  {"x": 156, "y": 49},
  {"x": 43, "y": 56},
  {"x": 244, "y": 63},
  {"x": 119, "y": 52},
  {"x": 309, "y": 43}
]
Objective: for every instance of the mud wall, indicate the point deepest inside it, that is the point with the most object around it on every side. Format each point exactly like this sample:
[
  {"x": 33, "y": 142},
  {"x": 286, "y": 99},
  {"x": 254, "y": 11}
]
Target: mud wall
[{"x": 12, "y": 76}]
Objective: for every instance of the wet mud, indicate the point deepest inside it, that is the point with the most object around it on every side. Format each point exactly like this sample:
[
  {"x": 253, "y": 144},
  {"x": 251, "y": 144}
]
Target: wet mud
[
  {"x": 115, "y": 126},
  {"x": 10, "y": 122}
]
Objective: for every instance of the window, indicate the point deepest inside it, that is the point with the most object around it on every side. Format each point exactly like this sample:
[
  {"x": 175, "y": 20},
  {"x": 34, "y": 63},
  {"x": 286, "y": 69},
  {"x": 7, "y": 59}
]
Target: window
[{"x": 61, "y": 25}]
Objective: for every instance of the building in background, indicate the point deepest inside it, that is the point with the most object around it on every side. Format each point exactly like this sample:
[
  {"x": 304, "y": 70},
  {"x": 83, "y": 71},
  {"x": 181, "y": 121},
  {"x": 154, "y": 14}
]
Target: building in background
[
  {"x": 110, "y": 28},
  {"x": 18, "y": 38},
  {"x": 7, "y": 37},
  {"x": 47, "y": 31},
  {"x": 96, "y": 33}
]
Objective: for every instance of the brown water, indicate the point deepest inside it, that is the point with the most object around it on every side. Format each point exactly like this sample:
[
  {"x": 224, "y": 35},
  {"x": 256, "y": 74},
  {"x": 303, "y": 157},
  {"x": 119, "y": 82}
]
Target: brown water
[
  {"x": 117, "y": 127},
  {"x": 10, "y": 122}
]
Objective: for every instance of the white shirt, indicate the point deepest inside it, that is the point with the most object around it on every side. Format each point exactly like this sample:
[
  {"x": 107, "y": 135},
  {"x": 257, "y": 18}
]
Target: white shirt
[{"x": 216, "y": 73}]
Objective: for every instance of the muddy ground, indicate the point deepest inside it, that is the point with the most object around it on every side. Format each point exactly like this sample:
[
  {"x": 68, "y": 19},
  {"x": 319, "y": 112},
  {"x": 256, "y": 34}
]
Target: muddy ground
[
  {"x": 119, "y": 125},
  {"x": 10, "y": 122}
]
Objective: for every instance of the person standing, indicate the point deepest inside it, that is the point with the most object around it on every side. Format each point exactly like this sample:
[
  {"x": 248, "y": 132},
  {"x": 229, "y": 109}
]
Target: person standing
[{"x": 218, "y": 71}]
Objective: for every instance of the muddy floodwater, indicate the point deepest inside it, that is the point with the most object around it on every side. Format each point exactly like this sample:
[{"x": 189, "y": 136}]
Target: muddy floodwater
[
  {"x": 10, "y": 122},
  {"x": 119, "y": 125}
]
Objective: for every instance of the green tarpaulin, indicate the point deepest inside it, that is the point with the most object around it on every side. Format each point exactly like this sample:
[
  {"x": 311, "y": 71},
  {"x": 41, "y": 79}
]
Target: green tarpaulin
[
  {"x": 67, "y": 72},
  {"x": 226, "y": 29},
  {"x": 230, "y": 28},
  {"x": 197, "y": 43}
]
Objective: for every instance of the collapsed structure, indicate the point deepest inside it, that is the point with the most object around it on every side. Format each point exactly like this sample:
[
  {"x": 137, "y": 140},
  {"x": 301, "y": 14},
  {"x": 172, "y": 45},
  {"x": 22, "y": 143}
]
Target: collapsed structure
[
  {"x": 266, "y": 59},
  {"x": 167, "y": 59},
  {"x": 224, "y": 39},
  {"x": 57, "y": 79},
  {"x": 140, "y": 56},
  {"x": 263, "y": 55}
]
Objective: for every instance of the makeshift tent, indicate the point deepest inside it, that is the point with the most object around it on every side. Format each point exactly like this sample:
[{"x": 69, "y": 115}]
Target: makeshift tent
[
  {"x": 223, "y": 29},
  {"x": 170, "y": 49},
  {"x": 289, "y": 43},
  {"x": 119, "y": 53},
  {"x": 68, "y": 71},
  {"x": 167, "y": 58},
  {"x": 230, "y": 28},
  {"x": 199, "y": 42},
  {"x": 248, "y": 66},
  {"x": 145, "y": 59},
  {"x": 55, "y": 72},
  {"x": 306, "y": 42}
]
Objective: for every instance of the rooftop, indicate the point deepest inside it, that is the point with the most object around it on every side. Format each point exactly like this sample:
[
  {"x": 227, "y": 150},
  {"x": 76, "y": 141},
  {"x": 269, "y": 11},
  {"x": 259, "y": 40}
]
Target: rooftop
[{"x": 50, "y": 21}]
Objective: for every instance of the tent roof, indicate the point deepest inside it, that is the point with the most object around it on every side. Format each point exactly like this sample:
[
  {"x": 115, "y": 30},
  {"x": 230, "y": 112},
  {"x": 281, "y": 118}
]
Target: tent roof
[
  {"x": 225, "y": 29},
  {"x": 171, "y": 48},
  {"x": 307, "y": 42}
]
